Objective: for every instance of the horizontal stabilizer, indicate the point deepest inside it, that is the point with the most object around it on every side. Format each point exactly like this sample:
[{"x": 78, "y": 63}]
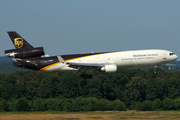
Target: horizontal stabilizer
[{"x": 26, "y": 62}]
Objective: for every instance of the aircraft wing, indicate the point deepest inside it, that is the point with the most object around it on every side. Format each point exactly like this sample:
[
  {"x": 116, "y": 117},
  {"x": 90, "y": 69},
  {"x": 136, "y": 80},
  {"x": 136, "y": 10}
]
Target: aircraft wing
[
  {"x": 93, "y": 66},
  {"x": 76, "y": 65},
  {"x": 81, "y": 65}
]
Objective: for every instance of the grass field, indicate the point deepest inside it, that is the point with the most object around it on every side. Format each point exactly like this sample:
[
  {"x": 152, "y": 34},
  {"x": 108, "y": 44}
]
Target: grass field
[{"x": 98, "y": 115}]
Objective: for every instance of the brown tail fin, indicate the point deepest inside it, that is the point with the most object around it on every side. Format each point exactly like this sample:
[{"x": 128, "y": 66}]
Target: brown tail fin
[{"x": 18, "y": 41}]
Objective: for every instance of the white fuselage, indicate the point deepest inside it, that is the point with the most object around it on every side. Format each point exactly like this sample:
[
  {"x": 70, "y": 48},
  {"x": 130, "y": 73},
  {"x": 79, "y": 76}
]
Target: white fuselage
[{"x": 122, "y": 59}]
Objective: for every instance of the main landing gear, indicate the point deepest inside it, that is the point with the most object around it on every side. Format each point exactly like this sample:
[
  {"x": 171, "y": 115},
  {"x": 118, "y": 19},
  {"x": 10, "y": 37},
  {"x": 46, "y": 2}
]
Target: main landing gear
[
  {"x": 85, "y": 76},
  {"x": 84, "y": 71}
]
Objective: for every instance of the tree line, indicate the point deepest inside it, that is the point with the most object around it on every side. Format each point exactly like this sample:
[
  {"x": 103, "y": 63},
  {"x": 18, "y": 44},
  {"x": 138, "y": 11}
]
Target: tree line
[
  {"x": 67, "y": 104},
  {"x": 127, "y": 88}
]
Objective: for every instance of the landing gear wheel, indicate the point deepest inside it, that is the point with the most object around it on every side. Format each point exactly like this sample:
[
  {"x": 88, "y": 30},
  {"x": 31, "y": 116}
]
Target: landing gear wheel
[
  {"x": 85, "y": 76},
  {"x": 90, "y": 76},
  {"x": 82, "y": 75}
]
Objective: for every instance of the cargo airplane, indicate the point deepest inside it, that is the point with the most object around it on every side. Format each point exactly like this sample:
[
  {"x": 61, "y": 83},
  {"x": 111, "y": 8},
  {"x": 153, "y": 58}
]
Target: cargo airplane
[{"x": 27, "y": 56}]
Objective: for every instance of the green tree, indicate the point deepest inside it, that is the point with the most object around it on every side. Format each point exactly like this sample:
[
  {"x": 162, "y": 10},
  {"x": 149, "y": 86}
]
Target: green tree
[
  {"x": 177, "y": 103},
  {"x": 144, "y": 106},
  {"x": 8, "y": 88},
  {"x": 157, "y": 104},
  {"x": 68, "y": 86},
  {"x": 156, "y": 88},
  {"x": 114, "y": 85},
  {"x": 60, "y": 105},
  {"x": 109, "y": 89},
  {"x": 93, "y": 104},
  {"x": 136, "y": 89},
  {"x": 75, "y": 105},
  {"x": 4, "y": 106},
  {"x": 139, "y": 106},
  {"x": 48, "y": 86},
  {"x": 173, "y": 85},
  {"x": 147, "y": 105},
  {"x": 118, "y": 105},
  {"x": 95, "y": 88},
  {"x": 50, "y": 104},
  {"x": 21, "y": 104},
  {"x": 38, "y": 104},
  {"x": 168, "y": 104}
]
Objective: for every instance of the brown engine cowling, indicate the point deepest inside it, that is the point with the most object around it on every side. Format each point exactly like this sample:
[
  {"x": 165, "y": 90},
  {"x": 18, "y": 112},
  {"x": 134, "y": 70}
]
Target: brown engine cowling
[{"x": 25, "y": 53}]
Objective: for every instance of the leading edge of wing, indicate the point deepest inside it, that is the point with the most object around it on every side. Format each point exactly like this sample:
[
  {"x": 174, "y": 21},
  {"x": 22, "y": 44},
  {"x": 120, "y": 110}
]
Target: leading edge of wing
[{"x": 72, "y": 64}]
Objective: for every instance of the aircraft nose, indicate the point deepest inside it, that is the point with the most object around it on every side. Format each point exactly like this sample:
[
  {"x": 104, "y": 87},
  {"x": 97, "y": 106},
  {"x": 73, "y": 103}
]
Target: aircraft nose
[
  {"x": 173, "y": 57},
  {"x": 176, "y": 57}
]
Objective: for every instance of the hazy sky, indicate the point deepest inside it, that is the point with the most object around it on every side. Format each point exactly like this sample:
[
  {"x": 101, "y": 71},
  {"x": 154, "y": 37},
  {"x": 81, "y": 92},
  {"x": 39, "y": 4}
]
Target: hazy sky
[{"x": 83, "y": 26}]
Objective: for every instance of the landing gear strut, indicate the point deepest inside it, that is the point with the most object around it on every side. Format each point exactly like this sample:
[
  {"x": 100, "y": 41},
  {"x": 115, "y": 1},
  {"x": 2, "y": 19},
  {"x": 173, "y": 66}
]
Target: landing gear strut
[
  {"x": 155, "y": 69},
  {"x": 85, "y": 76}
]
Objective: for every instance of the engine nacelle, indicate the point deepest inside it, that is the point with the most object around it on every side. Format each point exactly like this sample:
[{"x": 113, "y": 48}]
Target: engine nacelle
[
  {"x": 25, "y": 53},
  {"x": 109, "y": 68}
]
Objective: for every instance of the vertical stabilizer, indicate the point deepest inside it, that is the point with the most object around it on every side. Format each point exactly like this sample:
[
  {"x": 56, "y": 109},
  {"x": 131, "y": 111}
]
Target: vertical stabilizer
[{"x": 18, "y": 41}]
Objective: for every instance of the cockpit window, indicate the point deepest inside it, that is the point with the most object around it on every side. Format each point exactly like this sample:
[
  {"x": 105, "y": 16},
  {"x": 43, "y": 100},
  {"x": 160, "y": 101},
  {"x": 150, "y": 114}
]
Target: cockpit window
[{"x": 171, "y": 54}]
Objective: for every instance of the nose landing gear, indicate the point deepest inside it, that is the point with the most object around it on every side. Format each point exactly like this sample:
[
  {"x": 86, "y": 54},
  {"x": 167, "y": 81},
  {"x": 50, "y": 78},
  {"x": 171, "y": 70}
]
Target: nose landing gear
[{"x": 155, "y": 69}]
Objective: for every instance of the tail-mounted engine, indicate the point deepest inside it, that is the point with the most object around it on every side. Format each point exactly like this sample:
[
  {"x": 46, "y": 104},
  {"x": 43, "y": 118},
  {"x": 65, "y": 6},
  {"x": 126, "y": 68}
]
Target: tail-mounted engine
[{"x": 25, "y": 53}]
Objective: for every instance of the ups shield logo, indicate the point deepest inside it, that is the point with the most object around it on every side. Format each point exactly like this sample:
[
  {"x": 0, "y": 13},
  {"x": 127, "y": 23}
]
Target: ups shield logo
[{"x": 18, "y": 42}]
